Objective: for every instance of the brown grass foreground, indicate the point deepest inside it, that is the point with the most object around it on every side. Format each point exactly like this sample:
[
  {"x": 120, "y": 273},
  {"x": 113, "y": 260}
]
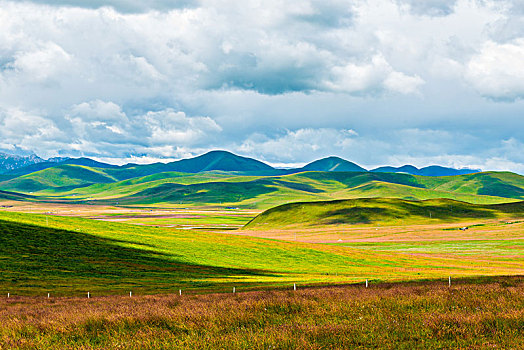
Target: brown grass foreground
[{"x": 473, "y": 315}]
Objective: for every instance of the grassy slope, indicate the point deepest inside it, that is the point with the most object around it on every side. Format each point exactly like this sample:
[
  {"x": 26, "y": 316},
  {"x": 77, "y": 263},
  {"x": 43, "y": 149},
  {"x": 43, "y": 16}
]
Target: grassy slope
[
  {"x": 74, "y": 255},
  {"x": 63, "y": 177},
  {"x": 385, "y": 211}
]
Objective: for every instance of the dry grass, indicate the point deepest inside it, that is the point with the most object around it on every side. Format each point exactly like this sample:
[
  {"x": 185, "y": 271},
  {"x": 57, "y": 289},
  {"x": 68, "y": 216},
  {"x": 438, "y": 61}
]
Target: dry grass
[{"x": 395, "y": 316}]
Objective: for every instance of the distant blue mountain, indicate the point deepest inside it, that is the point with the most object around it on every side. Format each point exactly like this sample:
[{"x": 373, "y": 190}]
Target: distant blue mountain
[
  {"x": 433, "y": 170},
  {"x": 210, "y": 161}
]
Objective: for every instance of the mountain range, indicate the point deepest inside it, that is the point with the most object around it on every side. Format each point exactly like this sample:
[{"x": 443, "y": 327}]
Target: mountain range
[
  {"x": 212, "y": 161},
  {"x": 224, "y": 179}
]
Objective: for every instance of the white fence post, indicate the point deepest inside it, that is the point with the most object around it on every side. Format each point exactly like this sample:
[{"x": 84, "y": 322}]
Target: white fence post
[
  {"x": 366, "y": 283},
  {"x": 449, "y": 281},
  {"x": 47, "y": 295},
  {"x": 88, "y": 295},
  {"x": 294, "y": 286},
  {"x": 233, "y": 289},
  {"x": 180, "y": 291},
  {"x": 130, "y": 294}
]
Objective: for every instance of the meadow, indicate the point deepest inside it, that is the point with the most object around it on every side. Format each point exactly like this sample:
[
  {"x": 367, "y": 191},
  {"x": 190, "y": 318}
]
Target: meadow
[
  {"x": 471, "y": 314},
  {"x": 151, "y": 252}
]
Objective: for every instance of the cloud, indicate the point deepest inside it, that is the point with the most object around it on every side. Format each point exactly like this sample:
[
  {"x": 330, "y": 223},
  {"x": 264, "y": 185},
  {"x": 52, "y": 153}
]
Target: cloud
[
  {"x": 127, "y": 79},
  {"x": 430, "y": 7},
  {"x": 101, "y": 129},
  {"x": 497, "y": 71},
  {"x": 294, "y": 144},
  {"x": 171, "y": 127},
  {"x": 375, "y": 76},
  {"x": 126, "y": 6}
]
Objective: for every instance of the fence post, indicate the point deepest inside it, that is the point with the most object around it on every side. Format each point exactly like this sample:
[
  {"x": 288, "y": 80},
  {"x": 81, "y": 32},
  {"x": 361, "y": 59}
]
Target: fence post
[
  {"x": 47, "y": 295},
  {"x": 8, "y": 294},
  {"x": 130, "y": 294},
  {"x": 233, "y": 289},
  {"x": 180, "y": 291},
  {"x": 366, "y": 283},
  {"x": 88, "y": 295},
  {"x": 449, "y": 281},
  {"x": 294, "y": 286}
]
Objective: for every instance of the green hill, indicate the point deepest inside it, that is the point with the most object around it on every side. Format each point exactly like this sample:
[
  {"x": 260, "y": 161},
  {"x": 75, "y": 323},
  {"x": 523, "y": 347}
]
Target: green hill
[
  {"x": 332, "y": 164},
  {"x": 244, "y": 189},
  {"x": 384, "y": 211},
  {"x": 61, "y": 177}
]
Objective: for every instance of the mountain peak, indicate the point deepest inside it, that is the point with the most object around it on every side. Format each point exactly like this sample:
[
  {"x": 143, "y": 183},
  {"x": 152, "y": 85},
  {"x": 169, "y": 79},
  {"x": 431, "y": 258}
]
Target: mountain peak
[
  {"x": 218, "y": 160},
  {"x": 332, "y": 163}
]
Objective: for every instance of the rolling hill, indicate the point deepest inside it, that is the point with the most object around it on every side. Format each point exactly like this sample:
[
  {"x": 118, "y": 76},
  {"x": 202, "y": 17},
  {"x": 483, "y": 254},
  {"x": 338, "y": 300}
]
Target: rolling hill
[
  {"x": 380, "y": 211},
  {"x": 62, "y": 177},
  {"x": 266, "y": 191}
]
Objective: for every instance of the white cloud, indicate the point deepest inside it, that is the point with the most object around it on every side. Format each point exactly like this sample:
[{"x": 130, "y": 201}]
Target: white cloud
[
  {"x": 498, "y": 70},
  {"x": 40, "y": 63},
  {"x": 101, "y": 129},
  {"x": 171, "y": 127},
  {"x": 294, "y": 144},
  {"x": 372, "y": 77}
]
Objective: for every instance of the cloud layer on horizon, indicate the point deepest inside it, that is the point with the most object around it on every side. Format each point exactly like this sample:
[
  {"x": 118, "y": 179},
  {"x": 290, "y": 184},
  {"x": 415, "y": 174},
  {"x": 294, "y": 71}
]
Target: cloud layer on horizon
[{"x": 374, "y": 81}]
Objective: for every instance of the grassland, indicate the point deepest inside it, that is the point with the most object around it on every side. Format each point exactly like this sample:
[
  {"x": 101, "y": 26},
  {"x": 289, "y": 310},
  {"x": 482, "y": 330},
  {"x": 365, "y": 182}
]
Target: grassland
[
  {"x": 477, "y": 314},
  {"x": 73, "y": 255}
]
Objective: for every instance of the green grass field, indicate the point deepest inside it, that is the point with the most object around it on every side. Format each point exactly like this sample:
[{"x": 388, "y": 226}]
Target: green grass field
[{"x": 70, "y": 256}]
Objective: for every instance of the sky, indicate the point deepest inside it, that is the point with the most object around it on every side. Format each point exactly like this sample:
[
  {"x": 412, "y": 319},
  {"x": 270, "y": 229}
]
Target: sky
[{"x": 377, "y": 82}]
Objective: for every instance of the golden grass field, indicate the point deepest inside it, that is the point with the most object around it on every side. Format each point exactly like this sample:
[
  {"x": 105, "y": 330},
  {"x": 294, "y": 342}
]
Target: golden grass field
[{"x": 487, "y": 314}]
